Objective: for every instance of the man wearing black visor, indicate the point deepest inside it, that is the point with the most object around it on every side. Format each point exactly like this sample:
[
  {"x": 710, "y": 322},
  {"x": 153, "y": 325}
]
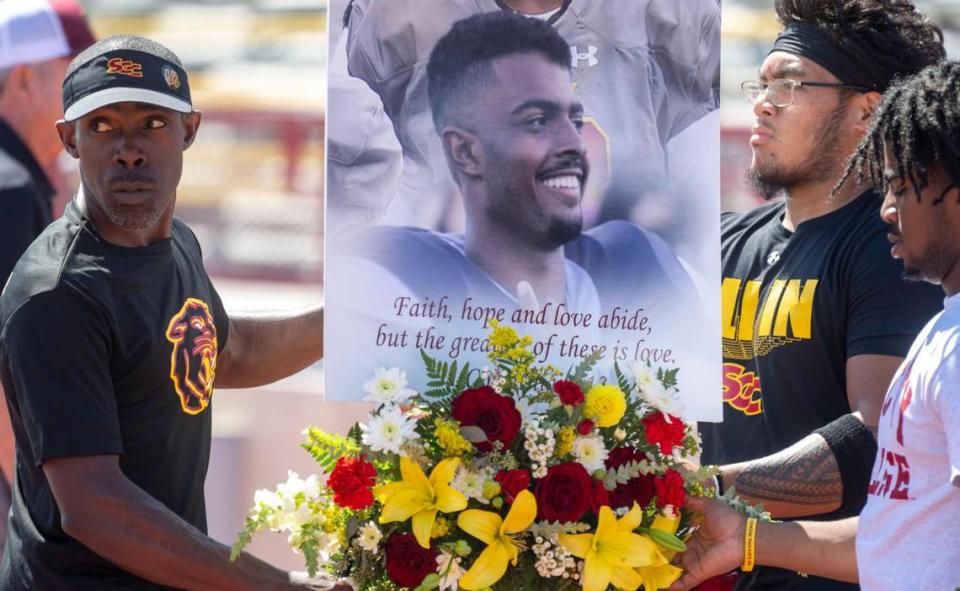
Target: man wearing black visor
[
  {"x": 113, "y": 340},
  {"x": 816, "y": 316}
]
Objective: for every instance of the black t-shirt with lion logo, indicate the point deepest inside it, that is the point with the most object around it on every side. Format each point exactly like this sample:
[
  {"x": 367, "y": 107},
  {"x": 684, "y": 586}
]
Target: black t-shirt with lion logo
[{"x": 105, "y": 350}]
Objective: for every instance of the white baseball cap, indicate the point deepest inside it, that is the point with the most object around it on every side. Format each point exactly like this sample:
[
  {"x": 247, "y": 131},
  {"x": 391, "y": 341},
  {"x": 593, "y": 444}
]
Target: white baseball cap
[{"x": 34, "y": 31}]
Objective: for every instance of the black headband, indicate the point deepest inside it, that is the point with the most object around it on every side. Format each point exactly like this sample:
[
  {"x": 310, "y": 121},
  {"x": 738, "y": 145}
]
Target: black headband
[{"x": 812, "y": 42}]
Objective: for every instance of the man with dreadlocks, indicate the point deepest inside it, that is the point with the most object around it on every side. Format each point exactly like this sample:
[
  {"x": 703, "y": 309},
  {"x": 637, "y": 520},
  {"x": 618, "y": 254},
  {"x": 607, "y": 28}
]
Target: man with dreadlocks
[
  {"x": 816, "y": 316},
  {"x": 913, "y": 151}
]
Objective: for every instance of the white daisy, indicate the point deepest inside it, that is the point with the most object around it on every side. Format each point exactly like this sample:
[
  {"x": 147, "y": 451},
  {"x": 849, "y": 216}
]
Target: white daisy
[
  {"x": 369, "y": 537},
  {"x": 389, "y": 431},
  {"x": 590, "y": 452},
  {"x": 388, "y": 386}
]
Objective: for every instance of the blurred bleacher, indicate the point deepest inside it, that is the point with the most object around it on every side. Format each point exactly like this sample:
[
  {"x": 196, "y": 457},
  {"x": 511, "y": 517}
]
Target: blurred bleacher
[{"x": 252, "y": 186}]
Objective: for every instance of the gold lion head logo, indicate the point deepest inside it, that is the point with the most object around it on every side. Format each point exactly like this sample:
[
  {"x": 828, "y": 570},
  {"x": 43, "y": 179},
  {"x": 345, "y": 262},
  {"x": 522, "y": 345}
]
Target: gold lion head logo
[{"x": 193, "y": 361}]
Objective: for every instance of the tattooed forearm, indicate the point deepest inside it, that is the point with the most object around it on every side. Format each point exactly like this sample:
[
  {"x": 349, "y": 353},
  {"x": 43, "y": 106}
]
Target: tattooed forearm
[{"x": 805, "y": 473}]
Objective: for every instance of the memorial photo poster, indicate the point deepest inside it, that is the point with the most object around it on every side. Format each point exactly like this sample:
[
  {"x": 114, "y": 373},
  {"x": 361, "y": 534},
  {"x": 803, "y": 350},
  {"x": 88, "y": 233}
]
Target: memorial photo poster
[{"x": 558, "y": 173}]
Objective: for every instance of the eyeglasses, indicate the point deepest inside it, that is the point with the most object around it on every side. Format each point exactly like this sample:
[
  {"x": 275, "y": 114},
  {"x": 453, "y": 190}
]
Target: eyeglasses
[{"x": 780, "y": 91}]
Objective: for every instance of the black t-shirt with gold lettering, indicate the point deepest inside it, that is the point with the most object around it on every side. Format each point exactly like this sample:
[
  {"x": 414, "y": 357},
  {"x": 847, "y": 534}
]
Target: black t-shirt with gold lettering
[
  {"x": 796, "y": 306},
  {"x": 105, "y": 350}
]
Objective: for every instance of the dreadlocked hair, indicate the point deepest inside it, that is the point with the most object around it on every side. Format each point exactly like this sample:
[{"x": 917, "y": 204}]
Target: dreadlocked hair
[
  {"x": 887, "y": 38},
  {"x": 918, "y": 123}
]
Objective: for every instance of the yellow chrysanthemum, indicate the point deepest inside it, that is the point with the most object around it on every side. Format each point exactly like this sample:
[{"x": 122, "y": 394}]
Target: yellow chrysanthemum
[
  {"x": 565, "y": 438},
  {"x": 449, "y": 438},
  {"x": 605, "y": 404}
]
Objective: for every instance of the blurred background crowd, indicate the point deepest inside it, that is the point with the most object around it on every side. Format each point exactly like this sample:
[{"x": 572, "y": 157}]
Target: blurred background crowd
[{"x": 253, "y": 190}]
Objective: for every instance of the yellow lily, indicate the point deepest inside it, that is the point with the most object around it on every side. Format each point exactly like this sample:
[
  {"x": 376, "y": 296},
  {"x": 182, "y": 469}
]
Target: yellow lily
[
  {"x": 497, "y": 534},
  {"x": 613, "y": 553},
  {"x": 420, "y": 498},
  {"x": 661, "y": 574}
]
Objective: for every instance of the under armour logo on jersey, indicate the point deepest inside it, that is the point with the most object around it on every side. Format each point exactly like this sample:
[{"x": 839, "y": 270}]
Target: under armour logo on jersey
[
  {"x": 773, "y": 257},
  {"x": 590, "y": 55}
]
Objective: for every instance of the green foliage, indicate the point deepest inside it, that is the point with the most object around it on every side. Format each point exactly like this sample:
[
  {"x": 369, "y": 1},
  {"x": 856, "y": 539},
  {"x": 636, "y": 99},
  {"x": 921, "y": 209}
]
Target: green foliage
[
  {"x": 326, "y": 449},
  {"x": 625, "y": 473},
  {"x": 444, "y": 380},
  {"x": 310, "y": 547},
  {"x": 252, "y": 525},
  {"x": 582, "y": 370},
  {"x": 668, "y": 377},
  {"x": 355, "y": 434},
  {"x": 731, "y": 498},
  {"x": 622, "y": 381}
]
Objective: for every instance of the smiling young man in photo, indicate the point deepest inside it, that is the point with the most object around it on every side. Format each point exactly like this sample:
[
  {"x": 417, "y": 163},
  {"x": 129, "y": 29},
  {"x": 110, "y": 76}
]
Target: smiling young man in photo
[{"x": 509, "y": 121}]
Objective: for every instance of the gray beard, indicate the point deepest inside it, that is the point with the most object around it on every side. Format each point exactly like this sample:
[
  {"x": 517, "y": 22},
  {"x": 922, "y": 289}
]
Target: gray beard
[{"x": 135, "y": 221}]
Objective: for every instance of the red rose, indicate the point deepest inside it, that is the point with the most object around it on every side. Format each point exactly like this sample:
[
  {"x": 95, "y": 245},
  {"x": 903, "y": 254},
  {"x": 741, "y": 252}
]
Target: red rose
[
  {"x": 585, "y": 427},
  {"x": 670, "y": 490},
  {"x": 408, "y": 563},
  {"x": 352, "y": 482},
  {"x": 512, "y": 482},
  {"x": 569, "y": 392},
  {"x": 565, "y": 493},
  {"x": 636, "y": 490},
  {"x": 660, "y": 432},
  {"x": 497, "y": 415},
  {"x": 600, "y": 498},
  {"x": 725, "y": 582}
]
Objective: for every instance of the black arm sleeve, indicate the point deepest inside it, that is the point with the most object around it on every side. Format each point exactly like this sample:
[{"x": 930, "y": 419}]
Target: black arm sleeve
[{"x": 855, "y": 449}]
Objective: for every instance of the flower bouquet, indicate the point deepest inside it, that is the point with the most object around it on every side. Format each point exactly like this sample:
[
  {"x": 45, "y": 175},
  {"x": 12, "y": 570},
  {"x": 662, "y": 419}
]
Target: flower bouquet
[{"x": 509, "y": 477}]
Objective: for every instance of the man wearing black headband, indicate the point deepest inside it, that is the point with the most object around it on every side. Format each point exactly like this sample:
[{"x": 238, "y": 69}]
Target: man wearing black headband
[
  {"x": 816, "y": 317},
  {"x": 901, "y": 540},
  {"x": 113, "y": 340}
]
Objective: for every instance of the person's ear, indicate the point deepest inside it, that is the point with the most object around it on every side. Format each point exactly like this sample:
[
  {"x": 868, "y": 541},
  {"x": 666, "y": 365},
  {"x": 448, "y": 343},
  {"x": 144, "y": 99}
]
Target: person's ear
[
  {"x": 67, "y": 130},
  {"x": 462, "y": 149},
  {"x": 865, "y": 107},
  {"x": 191, "y": 124}
]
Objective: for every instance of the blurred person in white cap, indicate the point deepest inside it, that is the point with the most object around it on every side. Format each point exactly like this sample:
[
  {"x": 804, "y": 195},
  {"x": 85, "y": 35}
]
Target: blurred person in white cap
[
  {"x": 113, "y": 340},
  {"x": 38, "y": 38}
]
